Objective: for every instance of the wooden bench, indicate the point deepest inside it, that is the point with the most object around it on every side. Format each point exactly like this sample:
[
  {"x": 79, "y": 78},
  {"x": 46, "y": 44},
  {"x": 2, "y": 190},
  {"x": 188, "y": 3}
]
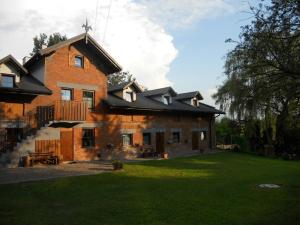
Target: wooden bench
[
  {"x": 148, "y": 151},
  {"x": 44, "y": 157}
]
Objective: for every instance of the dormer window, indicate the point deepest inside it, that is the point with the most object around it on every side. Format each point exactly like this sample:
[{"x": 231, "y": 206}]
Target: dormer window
[
  {"x": 7, "y": 81},
  {"x": 79, "y": 61},
  {"x": 167, "y": 100},
  {"x": 195, "y": 102},
  {"x": 129, "y": 96}
]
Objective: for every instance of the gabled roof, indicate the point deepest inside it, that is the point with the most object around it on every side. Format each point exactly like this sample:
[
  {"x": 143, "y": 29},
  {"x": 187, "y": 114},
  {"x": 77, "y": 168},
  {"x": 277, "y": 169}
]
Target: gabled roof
[
  {"x": 189, "y": 95},
  {"x": 160, "y": 91},
  {"x": 114, "y": 66},
  {"x": 12, "y": 60},
  {"x": 123, "y": 86}
]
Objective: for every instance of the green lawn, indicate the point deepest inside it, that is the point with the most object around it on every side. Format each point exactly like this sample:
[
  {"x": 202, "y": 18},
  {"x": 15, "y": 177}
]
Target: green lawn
[{"x": 210, "y": 190}]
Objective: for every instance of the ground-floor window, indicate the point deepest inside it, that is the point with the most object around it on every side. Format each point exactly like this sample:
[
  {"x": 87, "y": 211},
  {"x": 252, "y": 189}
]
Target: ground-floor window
[
  {"x": 146, "y": 138},
  {"x": 88, "y": 137},
  {"x": 176, "y": 137},
  {"x": 203, "y": 135},
  {"x": 127, "y": 139}
]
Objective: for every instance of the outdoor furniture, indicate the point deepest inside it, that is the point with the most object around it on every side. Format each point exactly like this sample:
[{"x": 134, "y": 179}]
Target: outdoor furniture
[
  {"x": 44, "y": 157},
  {"x": 147, "y": 151}
]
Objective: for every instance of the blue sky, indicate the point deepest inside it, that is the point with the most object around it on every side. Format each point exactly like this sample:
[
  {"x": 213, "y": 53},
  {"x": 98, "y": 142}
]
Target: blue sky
[{"x": 202, "y": 51}]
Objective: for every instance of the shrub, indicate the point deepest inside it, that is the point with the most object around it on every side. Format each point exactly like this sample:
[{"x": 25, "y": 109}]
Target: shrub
[{"x": 117, "y": 164}]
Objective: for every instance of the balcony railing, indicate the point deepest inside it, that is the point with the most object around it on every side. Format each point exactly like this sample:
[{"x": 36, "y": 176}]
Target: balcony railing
[{"x": 62, "y": 111}]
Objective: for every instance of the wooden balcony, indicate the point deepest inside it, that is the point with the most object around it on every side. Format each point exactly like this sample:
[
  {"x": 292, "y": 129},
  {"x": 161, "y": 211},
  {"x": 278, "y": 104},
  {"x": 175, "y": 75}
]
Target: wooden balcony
[{"x": 62, "y": 111}]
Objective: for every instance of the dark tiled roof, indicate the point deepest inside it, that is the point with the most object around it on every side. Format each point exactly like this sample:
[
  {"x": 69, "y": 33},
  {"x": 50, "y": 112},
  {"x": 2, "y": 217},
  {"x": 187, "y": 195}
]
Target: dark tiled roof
[
  {"x": 159, "y": 91},
  {"x": 188, "y": 95},
  {"x": 27, "y": 85},
  {"x": 147, "y": 104}
]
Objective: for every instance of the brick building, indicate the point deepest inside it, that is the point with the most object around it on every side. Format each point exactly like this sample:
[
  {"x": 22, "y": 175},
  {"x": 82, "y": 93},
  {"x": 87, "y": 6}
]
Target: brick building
[{"x": 59, "y": 101}]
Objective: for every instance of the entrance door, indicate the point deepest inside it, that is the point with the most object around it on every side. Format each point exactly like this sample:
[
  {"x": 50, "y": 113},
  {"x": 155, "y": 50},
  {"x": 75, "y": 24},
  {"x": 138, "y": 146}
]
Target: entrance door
[
  {"x": 160, "y": 142},
  {"x": 66, "y": 145},
  {"x": 195, "y": 140}
]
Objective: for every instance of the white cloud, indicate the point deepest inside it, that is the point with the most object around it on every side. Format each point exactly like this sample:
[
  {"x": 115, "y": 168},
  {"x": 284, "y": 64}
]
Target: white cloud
[{"x": 181, "y": 13}]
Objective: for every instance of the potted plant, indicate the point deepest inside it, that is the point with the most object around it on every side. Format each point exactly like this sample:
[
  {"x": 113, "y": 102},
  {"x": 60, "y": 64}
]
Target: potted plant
[
  {"x": 165, "y": 155},
  {"x": 117, "y": 164}
]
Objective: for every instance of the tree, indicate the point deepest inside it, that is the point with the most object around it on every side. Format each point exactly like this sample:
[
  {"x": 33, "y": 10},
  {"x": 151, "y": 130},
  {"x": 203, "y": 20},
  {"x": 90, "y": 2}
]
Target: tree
[
  {"x": 43, "y": 40},
  {"x": 119, "y": 78},
  {"x": 263, "y": 70}
]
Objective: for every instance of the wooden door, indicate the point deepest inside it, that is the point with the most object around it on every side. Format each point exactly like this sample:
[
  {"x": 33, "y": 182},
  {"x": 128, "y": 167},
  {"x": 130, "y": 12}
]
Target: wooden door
[
  {"x": 160, "y": 142},
  {"x": 66, "y": 145},
  {"x": 195, "y": 140}
]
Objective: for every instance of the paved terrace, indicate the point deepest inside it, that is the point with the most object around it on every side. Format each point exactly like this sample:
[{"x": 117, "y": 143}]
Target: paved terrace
[{"x": 44, "y": 172}]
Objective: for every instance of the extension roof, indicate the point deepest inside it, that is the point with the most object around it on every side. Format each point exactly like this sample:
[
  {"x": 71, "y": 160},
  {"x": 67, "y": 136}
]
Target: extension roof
[
  {"x": 144, "y": 102},
  {"x": 111, "y": 66},
  {"x": 28, "y": 84}
]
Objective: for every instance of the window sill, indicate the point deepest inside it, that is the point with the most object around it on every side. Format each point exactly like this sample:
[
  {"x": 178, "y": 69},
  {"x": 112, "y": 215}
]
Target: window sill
[{"x": 88, "y": 147}]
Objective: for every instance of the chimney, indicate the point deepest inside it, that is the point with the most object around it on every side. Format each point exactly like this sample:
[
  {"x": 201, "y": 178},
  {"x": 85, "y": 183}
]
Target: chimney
[{"x": 25, "y": 59}]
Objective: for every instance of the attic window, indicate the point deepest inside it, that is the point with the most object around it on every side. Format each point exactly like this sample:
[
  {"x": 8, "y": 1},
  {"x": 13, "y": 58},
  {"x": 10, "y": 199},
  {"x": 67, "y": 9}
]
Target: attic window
[
  {"x": 167, "y": 100},
  {"x": 7, "y": 81},
  {"x": 195, "y": 102},
  {"x": 129, "y": 96},
  {"x": 79, "y": 61}
]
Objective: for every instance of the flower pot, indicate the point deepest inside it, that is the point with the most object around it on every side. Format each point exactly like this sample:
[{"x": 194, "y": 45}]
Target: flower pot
[{"x": 165, "y": 155}]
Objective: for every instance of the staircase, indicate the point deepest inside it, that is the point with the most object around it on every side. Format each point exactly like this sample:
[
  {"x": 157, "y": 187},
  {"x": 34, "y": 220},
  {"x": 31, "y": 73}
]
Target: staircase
[{"x": 37, "y": 128}]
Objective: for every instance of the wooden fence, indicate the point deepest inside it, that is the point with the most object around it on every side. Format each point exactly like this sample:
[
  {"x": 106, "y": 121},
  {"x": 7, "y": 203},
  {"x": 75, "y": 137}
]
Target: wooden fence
[{"x": 46, "y": 146}]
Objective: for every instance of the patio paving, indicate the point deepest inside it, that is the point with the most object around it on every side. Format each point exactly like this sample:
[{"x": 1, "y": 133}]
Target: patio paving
[{"x": 44, "y": 172}]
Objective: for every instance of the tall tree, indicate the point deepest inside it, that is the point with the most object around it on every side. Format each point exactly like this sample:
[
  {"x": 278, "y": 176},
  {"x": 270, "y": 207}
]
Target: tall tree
[
  {"x": 119, "y": 78},
  {"x": 263, "y": 70},
  {"x": 42, "y": 40}
]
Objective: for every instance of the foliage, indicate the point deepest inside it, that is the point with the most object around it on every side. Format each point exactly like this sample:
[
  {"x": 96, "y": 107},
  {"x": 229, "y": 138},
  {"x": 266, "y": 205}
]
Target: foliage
[
  {"x": 119, "y": 78},
  {"x": 225, "y": 129},
  {"x": 263, "y": 73},
  {"x": 209, "y": 189},
  {"x": 44, "y": 40}
]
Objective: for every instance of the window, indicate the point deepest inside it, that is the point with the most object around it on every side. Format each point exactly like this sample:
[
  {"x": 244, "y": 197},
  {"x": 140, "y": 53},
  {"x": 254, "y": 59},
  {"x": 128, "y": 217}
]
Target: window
[
  {"x": 88, "y": 137},
  {"x": 66, "y": 94},
  {"x": 127, "y": 139},
  {"x": 7, "y": 81},
  {"x": 129, "y": 96},
  {"x": 79, "y": 61},
  {"x": 146, "y": 138},
  {"x": 88, "y": 97},
  {"x": 195, "y": 102},
  {"x": 203, "y": 135},
  {"x": 167, "y": 100},
  {"x": 176, "y": 137}
]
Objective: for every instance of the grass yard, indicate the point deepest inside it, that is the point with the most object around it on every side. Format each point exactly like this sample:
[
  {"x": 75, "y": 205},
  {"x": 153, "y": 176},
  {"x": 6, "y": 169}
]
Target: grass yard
[{"x": 210, "y": 190}]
